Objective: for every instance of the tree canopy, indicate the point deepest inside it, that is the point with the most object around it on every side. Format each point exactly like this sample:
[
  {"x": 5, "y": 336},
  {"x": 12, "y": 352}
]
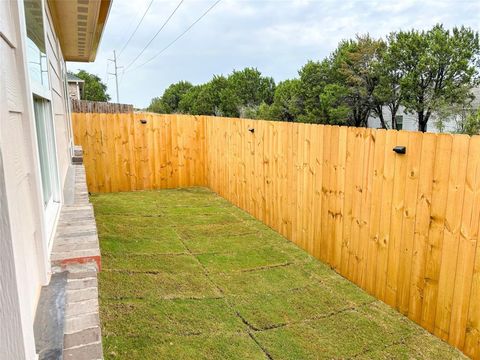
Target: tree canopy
[
  {"x": 438, "y": 65},
  {"x": 168, "y": 103},
  {"x": 93, "y": 89},
  {"x": 222, "y": 96},
  {"x": 287, "y": 102},
  {"x": 419, "y": 70}
]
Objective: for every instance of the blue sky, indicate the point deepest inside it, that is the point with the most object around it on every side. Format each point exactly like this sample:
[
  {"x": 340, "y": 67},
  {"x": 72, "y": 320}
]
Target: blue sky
[{"x": 275, "y": 36}]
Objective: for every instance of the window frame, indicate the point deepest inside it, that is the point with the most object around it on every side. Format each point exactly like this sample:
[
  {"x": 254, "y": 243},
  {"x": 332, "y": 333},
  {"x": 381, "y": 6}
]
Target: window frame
[
  {"x": 401, "y": 122},
  {"x": 51, "y": 209},
  {"x": 68, "y": 111}
]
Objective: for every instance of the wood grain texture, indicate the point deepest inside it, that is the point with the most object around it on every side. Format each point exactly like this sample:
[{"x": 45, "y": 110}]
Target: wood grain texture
[{"x": 122, "y": 154}]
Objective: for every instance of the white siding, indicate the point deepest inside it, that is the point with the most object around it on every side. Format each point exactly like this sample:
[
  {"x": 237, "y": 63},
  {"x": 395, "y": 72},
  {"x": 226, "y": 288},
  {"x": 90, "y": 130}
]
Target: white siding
[
  {"x": 410, "y": 119},
  {"x": 22, "y": 227},
  {"x": 57, "y": 80},
  {"x": 74, "y": 90},
  {"x": 11, "y": 335},
  {"x": 19, "y": 198}
]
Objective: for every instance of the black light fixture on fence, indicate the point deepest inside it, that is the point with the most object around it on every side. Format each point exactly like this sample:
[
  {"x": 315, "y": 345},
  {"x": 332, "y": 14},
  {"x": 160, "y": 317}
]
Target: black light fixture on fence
[
  {"x": 400, "y": 149},
  {"x": 143, "y": 121},
  {"x": 252, "y": 130}
]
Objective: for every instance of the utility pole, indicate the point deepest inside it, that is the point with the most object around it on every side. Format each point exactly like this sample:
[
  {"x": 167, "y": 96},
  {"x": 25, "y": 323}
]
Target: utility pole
[{"x": 114, "y": 60}]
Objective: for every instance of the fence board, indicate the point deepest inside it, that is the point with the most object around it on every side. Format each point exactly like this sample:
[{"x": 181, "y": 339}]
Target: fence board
[
  {"x": 422, "y": 223},
  {"x": 347, "y": 202},
  {"x": 367, "y": 178},
  {"x": 318, "y": 194},
  {"x": 375, "y": 212},
  {"x": 472, "y": 336},
  {"x": 403, "y": 227},
  {"x": 467, "y": 246},
  {"x": 386, "y": 210},
  {"x": 455, "y": 197},
  {"x": 408, "y": 226},
  {"x": 339, "y": 197},
  {"x": 437, "y": 227}
]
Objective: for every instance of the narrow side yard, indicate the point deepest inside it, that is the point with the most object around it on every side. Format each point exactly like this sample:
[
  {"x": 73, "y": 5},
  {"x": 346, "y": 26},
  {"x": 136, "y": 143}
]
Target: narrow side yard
[{"x": 187, "y": 275}]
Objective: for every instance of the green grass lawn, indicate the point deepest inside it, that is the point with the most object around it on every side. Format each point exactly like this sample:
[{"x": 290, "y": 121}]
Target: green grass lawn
[{"x": 187, "y": 275}]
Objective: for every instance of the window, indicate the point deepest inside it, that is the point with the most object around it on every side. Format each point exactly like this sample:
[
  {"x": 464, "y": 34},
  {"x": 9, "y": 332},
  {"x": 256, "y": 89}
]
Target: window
[
  {"x": 66, "y": 103},
  {"x": 46, "y": 150},
  {"x": 44, "y": 125},
  {"x": 36, "y": 46},
  {"x": 399, "y": 121}
]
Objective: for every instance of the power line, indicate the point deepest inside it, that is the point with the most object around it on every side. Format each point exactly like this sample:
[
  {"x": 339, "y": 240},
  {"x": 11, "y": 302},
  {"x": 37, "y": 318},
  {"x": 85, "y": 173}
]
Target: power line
[
  {"x": 181, "y": 35},
  {"x": 114, "y": 60},
  {"x": 154, "y": 36},
  {"x": 136, "y": 28}
]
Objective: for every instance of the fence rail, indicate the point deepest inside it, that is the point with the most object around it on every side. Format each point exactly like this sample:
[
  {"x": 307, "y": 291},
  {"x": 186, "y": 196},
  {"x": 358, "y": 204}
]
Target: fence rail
[{"x": 404, "y": 227}]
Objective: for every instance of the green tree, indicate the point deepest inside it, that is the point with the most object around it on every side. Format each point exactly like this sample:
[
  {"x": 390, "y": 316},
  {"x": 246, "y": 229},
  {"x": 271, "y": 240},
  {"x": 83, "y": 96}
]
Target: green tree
[
  {"x": 94, "y": 89},
  {"x": 437, "y": 65},
  {"x": 314, "y": 76},
  {"x": 356, "y": 66},
  {"x": 157, "y": 106},
  {"x": 247, "y": 88},
  {"x": 471, "y": 125},
  {"x": 189, "y": 101},
  {"x": 265, "y": 112},
  {"x": 287, "y": 102},
  {"x": 388, "y": 92},
  {"x": 466, "y": 120},
  {"x": 168, "y": 103},
  {"x": 322, "y": 98},
  {"x": 335, "y": 109},
  {"x": 229, "y": 102},
  {"x": 249, "y": 112},
  {"x": 212, "y": 99},
  {"x": 446, "y": 113}
]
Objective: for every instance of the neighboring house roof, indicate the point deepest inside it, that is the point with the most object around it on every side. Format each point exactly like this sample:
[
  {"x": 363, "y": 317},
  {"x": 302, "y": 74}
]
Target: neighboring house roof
[
  {"x": 79, "y": 25},
  {"x": 73, "y": 78}
]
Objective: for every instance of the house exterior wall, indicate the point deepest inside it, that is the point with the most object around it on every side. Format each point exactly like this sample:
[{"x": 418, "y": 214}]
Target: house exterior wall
[
  {"x": 11, "y": 336},
  {"x": 24, "y": 254},
  {"x": 60, "y": 102},
  {"x": 74, "y": 90},
  {"x": 410, "y": 119}
]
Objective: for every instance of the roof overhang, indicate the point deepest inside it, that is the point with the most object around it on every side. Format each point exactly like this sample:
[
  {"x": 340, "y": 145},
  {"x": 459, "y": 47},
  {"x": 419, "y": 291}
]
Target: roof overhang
[
  {"x": 79, "y": 25},
  {"x": 73, "y": 81}
]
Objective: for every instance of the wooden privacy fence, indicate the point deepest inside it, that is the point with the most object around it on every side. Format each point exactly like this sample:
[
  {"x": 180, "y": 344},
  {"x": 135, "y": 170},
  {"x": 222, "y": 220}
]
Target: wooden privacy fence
[
  {"x": 121, "y": 153},
  {"x": 85, "y": 106},
  {"x": 403, "y": 227}
]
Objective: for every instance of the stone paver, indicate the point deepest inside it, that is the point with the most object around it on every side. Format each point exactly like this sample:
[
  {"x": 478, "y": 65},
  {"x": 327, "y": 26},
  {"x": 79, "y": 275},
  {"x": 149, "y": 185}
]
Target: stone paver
[{"x": 76, "y": 252}]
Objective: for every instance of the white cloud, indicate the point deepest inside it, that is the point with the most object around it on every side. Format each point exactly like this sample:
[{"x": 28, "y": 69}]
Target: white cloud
[{"x": 276, "y": 36}]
